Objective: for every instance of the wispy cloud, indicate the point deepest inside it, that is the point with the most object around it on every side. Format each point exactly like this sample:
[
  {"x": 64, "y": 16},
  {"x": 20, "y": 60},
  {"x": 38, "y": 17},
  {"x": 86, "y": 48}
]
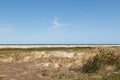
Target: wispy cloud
[{"x": 57, "y": 24}]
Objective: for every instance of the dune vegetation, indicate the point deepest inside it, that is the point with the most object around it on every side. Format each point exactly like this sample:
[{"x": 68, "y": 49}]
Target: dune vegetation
[{"x": 60, "y": 63}]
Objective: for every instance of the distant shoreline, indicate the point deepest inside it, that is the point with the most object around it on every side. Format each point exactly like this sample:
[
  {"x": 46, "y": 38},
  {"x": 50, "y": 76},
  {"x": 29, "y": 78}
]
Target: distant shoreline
[
  {"x": 59, "y": 44},
  {"x": 54, "y": 45}
]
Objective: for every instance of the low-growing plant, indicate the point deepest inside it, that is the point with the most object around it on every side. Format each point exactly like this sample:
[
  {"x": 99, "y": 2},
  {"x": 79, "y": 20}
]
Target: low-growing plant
[
  {"x": 112, "y": 77},
  {"x": 60, "y": 76},
  {"x": 104, "y": 57},
  {"x": 92, "y": 65}
]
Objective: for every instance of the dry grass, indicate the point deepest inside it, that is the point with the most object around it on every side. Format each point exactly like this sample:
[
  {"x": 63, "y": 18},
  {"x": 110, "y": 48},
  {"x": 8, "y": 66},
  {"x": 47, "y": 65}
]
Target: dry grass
[{"x": 86, "y": 63}]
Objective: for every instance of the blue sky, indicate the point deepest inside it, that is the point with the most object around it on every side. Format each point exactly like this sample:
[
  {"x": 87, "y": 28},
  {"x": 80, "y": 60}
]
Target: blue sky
[{"x": 59, "y": 21}]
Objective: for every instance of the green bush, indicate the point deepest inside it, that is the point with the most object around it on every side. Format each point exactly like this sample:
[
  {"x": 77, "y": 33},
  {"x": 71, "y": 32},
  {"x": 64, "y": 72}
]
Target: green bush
[
  {"x": 91, "y": 65},
  {"x": 104, "y": 57}
]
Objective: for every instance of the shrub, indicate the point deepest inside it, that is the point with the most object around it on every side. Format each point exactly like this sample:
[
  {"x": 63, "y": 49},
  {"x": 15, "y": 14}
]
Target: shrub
[
  {"x": 104, "y": 57},
  {"x": 92, "y": 65}
]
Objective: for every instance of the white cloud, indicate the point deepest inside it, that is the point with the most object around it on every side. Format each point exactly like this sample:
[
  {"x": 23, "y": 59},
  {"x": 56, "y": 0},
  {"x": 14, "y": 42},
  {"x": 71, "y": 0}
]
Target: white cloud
[{"x": 57, "y": 24}]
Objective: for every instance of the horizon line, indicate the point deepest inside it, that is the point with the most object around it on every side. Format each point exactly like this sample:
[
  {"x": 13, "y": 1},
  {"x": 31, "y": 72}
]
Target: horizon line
[{"x": 59, "y": 44}]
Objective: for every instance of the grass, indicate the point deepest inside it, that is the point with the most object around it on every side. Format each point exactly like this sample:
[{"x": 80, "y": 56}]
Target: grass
[
  {"x": 93, "y": 69},
  {"x": 112, "y": 77},
  {"x": 103, "y": 58},
  {"x": 47, "y": 49},
  {"x": 18, "y": 54}
]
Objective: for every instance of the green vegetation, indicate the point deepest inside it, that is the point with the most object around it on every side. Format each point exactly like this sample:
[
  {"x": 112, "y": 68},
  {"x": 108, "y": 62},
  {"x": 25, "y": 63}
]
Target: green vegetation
[
  {"x": 103, "y": 58},
  {"x": 47, "y": 49},
  {"x": 112, "y": 77},
  {"x": 92, "y": 65}
]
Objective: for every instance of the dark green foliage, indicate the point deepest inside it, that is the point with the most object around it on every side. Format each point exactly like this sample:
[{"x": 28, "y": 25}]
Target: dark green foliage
[
  {"x": 92, "y": 65},
  {"x": 104, "y": 57}
]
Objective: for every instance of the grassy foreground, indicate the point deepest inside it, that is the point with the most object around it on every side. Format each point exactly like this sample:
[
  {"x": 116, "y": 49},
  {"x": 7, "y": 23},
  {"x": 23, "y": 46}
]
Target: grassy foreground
[{"x": 60, "y": 63}]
